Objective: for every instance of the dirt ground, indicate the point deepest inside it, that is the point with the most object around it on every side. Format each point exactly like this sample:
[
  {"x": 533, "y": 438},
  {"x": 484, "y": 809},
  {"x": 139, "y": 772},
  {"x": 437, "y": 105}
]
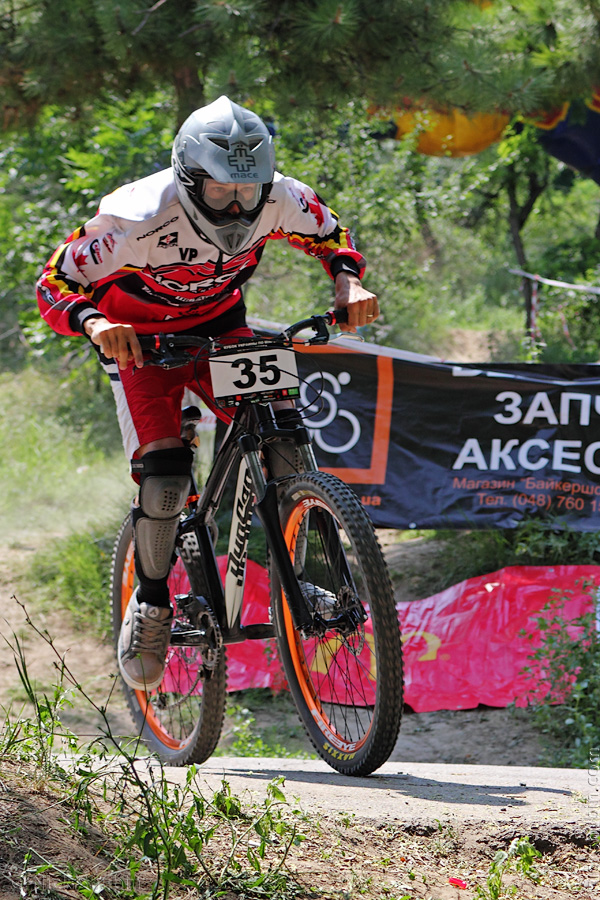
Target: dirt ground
[
  {"x": 341, "y": 857},
  {"x": 481, "y": 736},
  {"x": 484, "y": 736}
]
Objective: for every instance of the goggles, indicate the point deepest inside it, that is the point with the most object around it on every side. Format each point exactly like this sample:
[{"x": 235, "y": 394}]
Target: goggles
[{"x": 219, "y": 196}]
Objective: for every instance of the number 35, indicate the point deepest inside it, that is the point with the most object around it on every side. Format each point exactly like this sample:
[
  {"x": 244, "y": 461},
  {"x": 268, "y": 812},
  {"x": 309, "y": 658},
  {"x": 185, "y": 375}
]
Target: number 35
[{"x": 271, "y": 373}]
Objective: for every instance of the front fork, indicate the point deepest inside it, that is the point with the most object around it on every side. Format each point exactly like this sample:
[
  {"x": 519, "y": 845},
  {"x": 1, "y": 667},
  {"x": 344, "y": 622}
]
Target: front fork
[{"x": 267, "y": 510}]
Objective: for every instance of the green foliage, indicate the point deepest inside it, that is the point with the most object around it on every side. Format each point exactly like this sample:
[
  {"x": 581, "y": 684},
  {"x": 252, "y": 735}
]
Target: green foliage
[
  {"x": 249, "y": 728},
  {"x": 407, "y": 214},
  {"x": 519, "y": 857},
  {"x": 565, "y": 679},
  {"x": 74, "y": 575},
  {"x": 53, "y": 468},
  {"x": 466, "y": 554},
  {"x": 434, "y": 230},
  {"x": 51, "y": 179},
  {"x": 163, "y": 835},
  {"x": 520, "y": 57},
  {"x": 38, "y": 737}
]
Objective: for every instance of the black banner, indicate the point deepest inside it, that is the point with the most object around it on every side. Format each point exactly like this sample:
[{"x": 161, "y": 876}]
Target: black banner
[{"x": 428, "y": 444}]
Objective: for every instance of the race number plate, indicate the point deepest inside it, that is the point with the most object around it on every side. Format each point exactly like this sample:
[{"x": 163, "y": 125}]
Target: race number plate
[{"x": 262, "y": 375}]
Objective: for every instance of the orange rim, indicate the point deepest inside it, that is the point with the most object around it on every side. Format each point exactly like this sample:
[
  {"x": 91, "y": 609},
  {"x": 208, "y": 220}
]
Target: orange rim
[
  {"x": 127, "y": 586},
  {"x": 294, "y": 640}
]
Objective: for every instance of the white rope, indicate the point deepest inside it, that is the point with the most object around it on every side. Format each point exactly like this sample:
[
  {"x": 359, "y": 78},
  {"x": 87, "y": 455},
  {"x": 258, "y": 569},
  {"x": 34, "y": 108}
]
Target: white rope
[
  {"x": 563, "y": 284},
  {"x": 8, "y": 333}
]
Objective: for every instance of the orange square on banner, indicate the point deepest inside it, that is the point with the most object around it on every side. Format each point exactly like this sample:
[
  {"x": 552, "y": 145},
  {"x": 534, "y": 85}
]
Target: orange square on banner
[{"x": 375, "y": 473}]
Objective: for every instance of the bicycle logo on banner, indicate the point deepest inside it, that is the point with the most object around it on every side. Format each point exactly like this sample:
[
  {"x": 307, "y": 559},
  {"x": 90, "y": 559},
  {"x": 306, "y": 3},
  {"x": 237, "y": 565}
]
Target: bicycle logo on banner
[{"x": 327, "y": 404}]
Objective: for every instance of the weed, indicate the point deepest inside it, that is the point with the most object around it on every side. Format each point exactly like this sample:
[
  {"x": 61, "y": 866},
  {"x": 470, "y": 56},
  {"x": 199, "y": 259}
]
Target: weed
[
  {"x": 167, "y": 834},
  {"x": 534, "y": 542},
  {"x": 446, "y": 841},
  {"x": 35, "y": 496},
  {"x": 241, "y": 737},
  {"x": 75, "y": 575},
  {"x": 35, "y": 739},
  {"x": 347, "y": 820},
  {"x": 564, "y": 672},
  {"x": 519, "y": 857}
]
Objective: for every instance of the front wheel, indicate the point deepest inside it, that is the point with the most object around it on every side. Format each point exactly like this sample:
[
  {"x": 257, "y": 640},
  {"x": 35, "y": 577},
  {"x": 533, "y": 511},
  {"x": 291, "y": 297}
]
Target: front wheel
[
  {"x": 345, "y": 672},
  {"x": 181, "y": 720}
]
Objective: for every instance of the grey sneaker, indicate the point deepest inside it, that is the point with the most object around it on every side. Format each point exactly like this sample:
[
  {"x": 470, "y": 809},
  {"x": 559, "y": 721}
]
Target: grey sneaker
[{"x": 143, "y": 644}]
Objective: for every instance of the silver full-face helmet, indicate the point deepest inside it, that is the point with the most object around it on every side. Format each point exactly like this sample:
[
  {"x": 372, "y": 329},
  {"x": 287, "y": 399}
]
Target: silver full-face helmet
[{"x": 223, "y": 165}]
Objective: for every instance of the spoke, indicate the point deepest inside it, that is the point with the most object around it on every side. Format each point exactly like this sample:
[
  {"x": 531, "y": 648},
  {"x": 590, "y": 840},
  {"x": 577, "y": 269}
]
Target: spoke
[
  {"x": 340, "y": 673},
  {"x": 177, "y": 710}
]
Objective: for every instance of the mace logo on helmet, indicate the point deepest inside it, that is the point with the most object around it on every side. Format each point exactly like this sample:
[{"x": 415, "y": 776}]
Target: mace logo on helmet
[
  {"x": 169, "y": 240},
  {"x": 241, "y": 160}
]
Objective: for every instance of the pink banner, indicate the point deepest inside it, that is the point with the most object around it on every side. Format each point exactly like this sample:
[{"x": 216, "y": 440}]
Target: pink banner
[{"x": 464, "y": 646}]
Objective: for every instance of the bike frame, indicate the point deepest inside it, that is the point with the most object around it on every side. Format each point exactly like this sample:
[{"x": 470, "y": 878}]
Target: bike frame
[{"x": 254, "y": 492}]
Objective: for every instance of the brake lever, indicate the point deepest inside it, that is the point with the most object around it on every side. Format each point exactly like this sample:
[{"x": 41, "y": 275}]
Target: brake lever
[
  {"x": 165, "y": 356},
  {"x": 322, "y": 334},
  {"x": 168, "y": 360}
]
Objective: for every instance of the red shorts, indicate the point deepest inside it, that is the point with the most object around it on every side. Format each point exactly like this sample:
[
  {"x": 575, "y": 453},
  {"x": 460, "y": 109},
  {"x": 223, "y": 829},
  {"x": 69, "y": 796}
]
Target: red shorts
[{"x": 149, "y": 400}]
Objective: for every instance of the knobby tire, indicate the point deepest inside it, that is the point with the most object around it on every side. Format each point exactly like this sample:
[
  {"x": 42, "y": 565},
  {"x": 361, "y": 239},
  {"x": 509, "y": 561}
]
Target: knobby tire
[
  {"x": 181, "y": 720},
  {"x": 346, "y": 680}
]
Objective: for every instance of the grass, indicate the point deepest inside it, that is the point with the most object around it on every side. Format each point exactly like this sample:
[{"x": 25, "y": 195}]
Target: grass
[
  {"x": 154, "y": 837},
  {"x": 519, "y": 857},
  {"x": 260, "y": 722},
  {"x": 564, "y": 678},
  {"x": 460, "y": 555},
  {"x": 74, "y": 576},
  {"x": 53, "y": 479},
  {"x": 60, "y": 487},
  {"x": 564, "y": 669}
]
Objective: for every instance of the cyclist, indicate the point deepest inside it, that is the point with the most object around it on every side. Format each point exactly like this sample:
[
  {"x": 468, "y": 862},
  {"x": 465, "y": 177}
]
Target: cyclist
[{"x": 170, "y": 253}]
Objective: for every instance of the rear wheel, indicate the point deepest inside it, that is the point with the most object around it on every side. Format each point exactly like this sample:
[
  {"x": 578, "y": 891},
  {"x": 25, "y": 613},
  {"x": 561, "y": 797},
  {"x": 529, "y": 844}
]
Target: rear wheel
[
  {"x": 345, "y": 672},
  {"x": 181, "y": 720}
]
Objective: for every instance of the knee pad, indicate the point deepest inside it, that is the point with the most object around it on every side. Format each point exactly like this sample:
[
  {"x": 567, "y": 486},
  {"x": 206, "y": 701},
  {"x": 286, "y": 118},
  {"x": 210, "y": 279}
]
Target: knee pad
[{"x": 165, "y": 480}]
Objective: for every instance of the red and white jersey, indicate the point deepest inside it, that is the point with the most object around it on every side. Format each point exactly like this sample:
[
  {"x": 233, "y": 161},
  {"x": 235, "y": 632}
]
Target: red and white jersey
[{"x": 140, "y": 262}]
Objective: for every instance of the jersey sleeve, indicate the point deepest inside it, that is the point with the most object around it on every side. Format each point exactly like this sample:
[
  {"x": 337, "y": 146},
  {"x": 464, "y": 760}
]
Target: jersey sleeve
[
  {"x": 65, "y": 290},
  {"x": 309, "y": 224}
]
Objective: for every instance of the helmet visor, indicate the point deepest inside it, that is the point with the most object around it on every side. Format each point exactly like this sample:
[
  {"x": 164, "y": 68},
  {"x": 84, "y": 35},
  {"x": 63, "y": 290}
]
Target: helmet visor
[{"x": 219, "y": 196}]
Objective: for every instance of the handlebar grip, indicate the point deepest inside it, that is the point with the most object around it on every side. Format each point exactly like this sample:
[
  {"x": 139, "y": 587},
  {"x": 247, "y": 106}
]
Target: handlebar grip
[
  {"x": 147, "y": 341},
  {"x": 339, "y": 316}
]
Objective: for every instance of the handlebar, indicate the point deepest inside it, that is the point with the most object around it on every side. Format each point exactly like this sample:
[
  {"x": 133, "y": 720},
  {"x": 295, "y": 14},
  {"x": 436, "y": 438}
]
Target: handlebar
[{"x": 168, "y": 350}]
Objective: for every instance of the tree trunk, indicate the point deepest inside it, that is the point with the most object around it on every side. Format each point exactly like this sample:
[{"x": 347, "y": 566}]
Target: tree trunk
[
  {"x": 189, "y": 91},
  {"x": 519, "y": 247},
  {"x": 517, "y": 217}
]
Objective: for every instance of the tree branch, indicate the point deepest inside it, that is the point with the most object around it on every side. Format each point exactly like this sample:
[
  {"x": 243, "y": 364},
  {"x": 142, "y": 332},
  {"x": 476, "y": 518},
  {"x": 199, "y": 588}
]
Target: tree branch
[{"x": 149, "y": 12}]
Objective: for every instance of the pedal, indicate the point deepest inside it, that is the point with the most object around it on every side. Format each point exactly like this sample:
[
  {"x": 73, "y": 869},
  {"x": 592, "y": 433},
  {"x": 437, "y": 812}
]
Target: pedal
[{"x": 187, "y": 637}]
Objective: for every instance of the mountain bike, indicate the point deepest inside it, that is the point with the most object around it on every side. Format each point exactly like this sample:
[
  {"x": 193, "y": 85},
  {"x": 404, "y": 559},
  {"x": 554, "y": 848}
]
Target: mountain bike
[{"x": 332, "y": 608}]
